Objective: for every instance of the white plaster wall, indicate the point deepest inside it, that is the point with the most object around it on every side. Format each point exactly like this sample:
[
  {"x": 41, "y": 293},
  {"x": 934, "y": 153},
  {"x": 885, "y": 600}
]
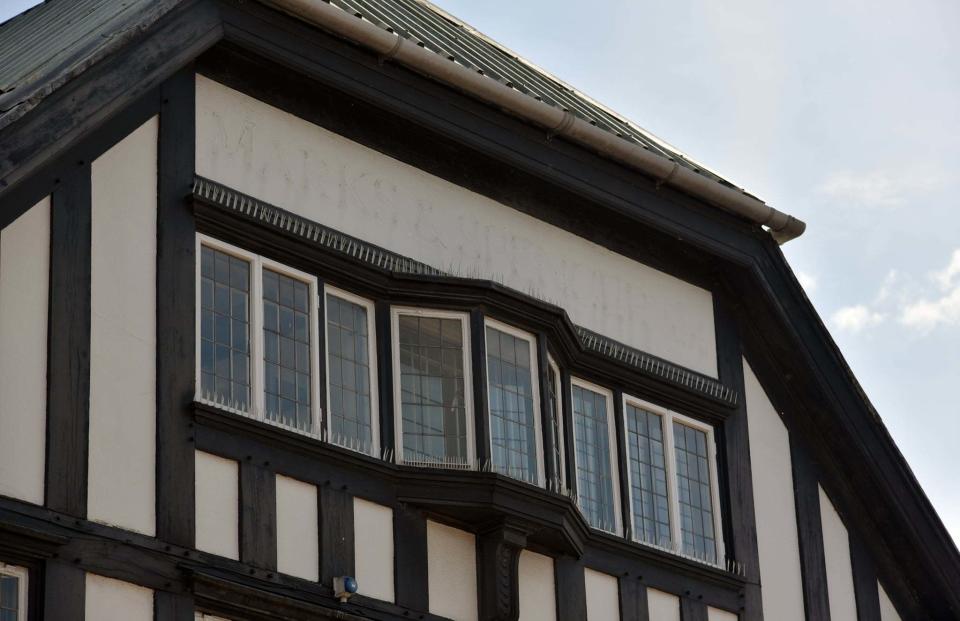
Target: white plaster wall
[
  {"x": 452, "y": 572},
  {"x": 303, "y": 168},
  {"x": 603, "y": 596},
  {"x": 373, "y": 549},
  {"x": 776, "y": 516},
  {"x": 24, "y": 285},
  {"x": 217, "y": 496},
  {"x": 887, "y": 610},
  {"x": 114, "y": 600},
  {"x": 663, "y": 606},
  {"x": 715, "y": 614},
  {"x": 836, "y": 553},
  {"x": 538, "y": 593},
  {"x": 122, "y": 463},
  {"x": 298, "y": 529}
]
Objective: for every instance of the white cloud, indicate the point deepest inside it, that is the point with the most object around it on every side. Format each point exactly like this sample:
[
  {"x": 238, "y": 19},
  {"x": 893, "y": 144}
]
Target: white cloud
[
  {"x": 928, "y": 313},
  {"x": 878, "y": 188},
  {"x": 856, "y": 318},
  {"x": 808, "y": 281},
  {"x": 945, "y": 277}
]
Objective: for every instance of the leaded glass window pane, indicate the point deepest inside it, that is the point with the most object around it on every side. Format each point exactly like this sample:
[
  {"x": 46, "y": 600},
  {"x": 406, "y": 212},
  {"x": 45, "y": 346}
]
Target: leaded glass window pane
[
  {"x": 286, "y": 350},
  {"x": 224, "y": 328},
  {"x": 648, "y": 476},
  {"x": 512, "y": 419},
  {"x": 9, "y": 598},
  {"x": 556, "y": 426},
  {"x": 595, "y": 489},
  {"x": 348, "y": 365},
  {"x": 693, "y": 489},
  {"x": 432, "y": 393}
]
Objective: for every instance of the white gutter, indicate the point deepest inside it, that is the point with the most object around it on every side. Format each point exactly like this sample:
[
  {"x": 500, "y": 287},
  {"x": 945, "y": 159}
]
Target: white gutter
[{"x": 390, "y": 46}]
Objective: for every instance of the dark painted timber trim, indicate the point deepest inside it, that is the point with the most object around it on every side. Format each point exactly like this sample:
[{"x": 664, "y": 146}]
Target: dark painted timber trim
[
  {"x": 64, "y": 591},
  {"x": 569, "y": 444},
  {"x": 385, "y": 378},
  {"x": 736, "y": 474},
  {"x": 571, "y": 590},
  {"x": 258, "y": 515},
  {"x": 68, "y": 362},
  {"x": 551, "y": 469},
  {"x": 633, "y": 598},
  {"x": 692, "y": 610},
  {"x": 813, "y": 565},
  {"x": 623, "y": 458},
  {"x": 336, "y": 534},
  {"x": 865, "y": 588},
  {"x": 173, "y": 606},
  {"x": 498, "y": 571},
  {"x": 481, "y": 411},
  {"x": 176, "y": 310},
  {"x": 411, "y": 586}
]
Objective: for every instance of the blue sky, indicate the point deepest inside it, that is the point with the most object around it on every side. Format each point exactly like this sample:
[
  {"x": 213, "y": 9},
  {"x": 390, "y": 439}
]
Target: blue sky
[{"x": 845, "y": 113}]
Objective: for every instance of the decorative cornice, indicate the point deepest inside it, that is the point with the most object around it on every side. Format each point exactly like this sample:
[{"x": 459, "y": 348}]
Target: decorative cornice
[{"x": 370, "y": 255}]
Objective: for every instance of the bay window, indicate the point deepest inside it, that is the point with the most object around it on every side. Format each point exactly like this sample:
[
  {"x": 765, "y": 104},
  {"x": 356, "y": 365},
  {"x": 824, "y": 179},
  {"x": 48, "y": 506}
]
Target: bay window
[
  {"x": 673, "y": 481},
  {"x": 595, "y": 455},
  {"x": 514, "y": 402},
  {"x": 432, "y": 388}
]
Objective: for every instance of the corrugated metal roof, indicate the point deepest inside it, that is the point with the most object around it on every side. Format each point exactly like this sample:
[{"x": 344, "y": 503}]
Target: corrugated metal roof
[{"x": 53, "y": 42}]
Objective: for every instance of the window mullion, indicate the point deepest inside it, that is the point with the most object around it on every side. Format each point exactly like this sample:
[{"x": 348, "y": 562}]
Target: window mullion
[
  {"x": 256, "y": 340},
  {"x": 313, "y": 321},
  {"x": 674, "y": 499}
]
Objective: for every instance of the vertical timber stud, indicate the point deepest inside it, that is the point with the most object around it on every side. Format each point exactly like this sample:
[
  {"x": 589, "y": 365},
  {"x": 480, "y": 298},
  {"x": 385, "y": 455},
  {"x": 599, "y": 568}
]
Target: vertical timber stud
[
  {"x": 813, "y": 565},
  {"x": 571, "y": 588},
  {"x": 633, "y": 599},
  {"x": 566, "y": 411},
  {"x": 740, "y": 530},
  {"x": 68, "y": 384},
  {"x": 481, "y": 415},
  {"x": 176, "y": 314},
  {"x": 321, "y": 370},
  {"x": 64, "y": 592},
  {"x": 410, "y": 559},
  {"x": 864, "y": 579},
  {"x": 336, "y": 534},
  {"x": 547, "y": 424},
  {"x": 626, "y": 510},
  {"x": 385, "y": 376},
  {"x": 692, "y": 609},
  {"x": 498, "y": 571},
  {"x": 258, "y": 515},
  {"x": 173, "y": 606}
]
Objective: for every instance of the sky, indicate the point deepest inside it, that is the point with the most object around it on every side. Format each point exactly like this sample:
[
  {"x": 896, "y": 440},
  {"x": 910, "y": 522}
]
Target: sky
[{"x": 844, "y": 113}]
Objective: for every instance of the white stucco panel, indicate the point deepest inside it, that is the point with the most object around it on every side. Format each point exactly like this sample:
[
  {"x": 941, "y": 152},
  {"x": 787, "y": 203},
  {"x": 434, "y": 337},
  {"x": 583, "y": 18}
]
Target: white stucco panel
[
  {"x": 298, "y": 524},
  {"x": 776, "y": 516},
  {"x": 217, "y": 499},
  {"x": 603, "y": 596},
  {"x": 452, "y": 572},
  {"x": 373, "y": 549},
  {"x": 279, "y": 158},
  {"x": 24, "y": 285},
  {"x": 663, "y": 606},
  {"x": 107, "y": 599},
  {"x": 538, "y": 594},
  {"x": 836, "y": 553},
  {"x": 123, "y": 352}
]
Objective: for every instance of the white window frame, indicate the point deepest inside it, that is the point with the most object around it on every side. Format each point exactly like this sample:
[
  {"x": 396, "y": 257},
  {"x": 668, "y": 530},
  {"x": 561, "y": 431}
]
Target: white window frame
[
  {"x": 22, "y": 574},
  {"x": 668, "y": 417},
  {"x": 395, "y": 312},
  {"x": 257, "y": 404},
  {"x": 534, "y": 383},
  {"x": 329, "y": 290},
  {"x": 558, "y": 398},
  {"x": 612, "y": 440}
]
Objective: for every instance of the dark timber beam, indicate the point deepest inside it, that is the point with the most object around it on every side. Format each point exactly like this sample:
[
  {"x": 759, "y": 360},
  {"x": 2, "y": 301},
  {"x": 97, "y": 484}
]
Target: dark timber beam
[
  {"x": 68, "y": 368},
  {"x": 692, "y": 610},
  {"x": 410, "y": 558},
  {"x": 865, "y": 587},
  {"x": 736, "y": 476},
  {"x": 498, "y": 567},
  {"x": 173, "y": 606},
  {"x": 571, "y": 589},
  {"x": 626, "y": 507},
  {"x": 633, "y": 599},
  {"x": 385, "y": 375},
  {"x": 551, "y": 468},
  {"x": 176, "y": 311},
  {"x": 813, "y": 565},
  {"x": 258, "y": 515},
  {"x": 64, "y": 592},
  {"x": 336, "y": 534},
  {"x": 481, "y": 412}
]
